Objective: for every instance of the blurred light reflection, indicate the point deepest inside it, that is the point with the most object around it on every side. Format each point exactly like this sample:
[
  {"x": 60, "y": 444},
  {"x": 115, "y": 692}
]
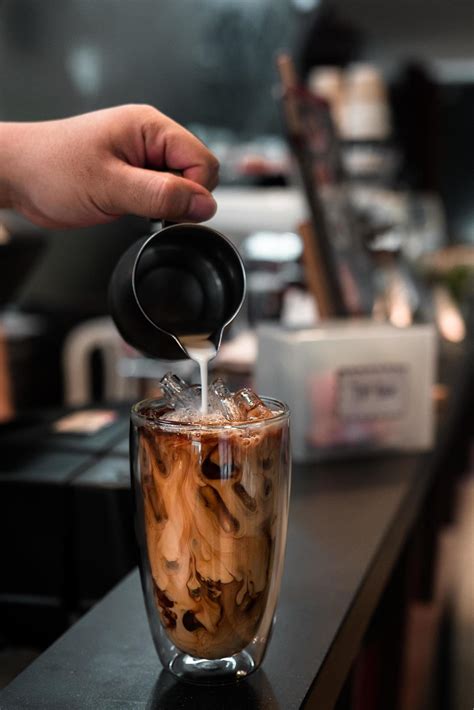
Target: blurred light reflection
[
  {"x": 84, "y": 64},
  {"x": 448, "y": 316}
]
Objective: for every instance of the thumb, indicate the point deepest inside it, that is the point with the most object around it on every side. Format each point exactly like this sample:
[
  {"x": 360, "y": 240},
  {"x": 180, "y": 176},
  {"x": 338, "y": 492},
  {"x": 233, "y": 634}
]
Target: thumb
[{"x": 148, "y": 193}]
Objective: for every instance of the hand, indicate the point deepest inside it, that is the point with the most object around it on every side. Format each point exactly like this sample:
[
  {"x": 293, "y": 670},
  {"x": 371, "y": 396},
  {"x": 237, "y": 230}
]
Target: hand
[{"x": 93, "y": 168}]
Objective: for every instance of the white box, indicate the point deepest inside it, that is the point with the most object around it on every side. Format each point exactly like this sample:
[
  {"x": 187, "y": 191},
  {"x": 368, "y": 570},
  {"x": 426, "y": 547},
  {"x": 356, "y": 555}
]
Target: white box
[{"x": 352, "y": 386}]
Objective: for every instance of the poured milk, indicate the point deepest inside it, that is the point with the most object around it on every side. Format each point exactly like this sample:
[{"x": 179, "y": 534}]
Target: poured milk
[{"x": 201, "y": 350}]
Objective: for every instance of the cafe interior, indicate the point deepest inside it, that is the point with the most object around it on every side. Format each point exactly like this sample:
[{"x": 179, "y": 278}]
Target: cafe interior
[{"x": 344, "y": 133}]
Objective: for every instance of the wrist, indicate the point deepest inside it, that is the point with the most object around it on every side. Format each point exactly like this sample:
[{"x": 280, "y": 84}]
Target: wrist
[{"x": 11, "y": 151}]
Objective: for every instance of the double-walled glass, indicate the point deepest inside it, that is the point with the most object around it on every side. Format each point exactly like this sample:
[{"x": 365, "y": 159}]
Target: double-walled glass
[{"x": 211, "y": 505}]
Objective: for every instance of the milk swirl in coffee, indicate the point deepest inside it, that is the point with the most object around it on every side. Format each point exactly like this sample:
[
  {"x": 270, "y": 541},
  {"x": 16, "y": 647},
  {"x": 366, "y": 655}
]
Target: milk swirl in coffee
[{"x": 209, "y": 478}]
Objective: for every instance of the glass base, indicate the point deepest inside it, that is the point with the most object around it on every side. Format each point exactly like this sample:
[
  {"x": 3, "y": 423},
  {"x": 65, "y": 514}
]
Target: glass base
[{"x": 203, "y": 671}]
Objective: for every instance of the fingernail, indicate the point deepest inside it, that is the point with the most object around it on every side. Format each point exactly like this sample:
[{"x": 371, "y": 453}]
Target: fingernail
[{"x": 202, "y": 207}]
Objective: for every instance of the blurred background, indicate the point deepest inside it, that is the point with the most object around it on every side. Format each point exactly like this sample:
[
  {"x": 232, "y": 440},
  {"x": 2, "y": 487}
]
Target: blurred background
[
  {"x": 406, "y": 67},
  {"x": 217, "y": 76}
]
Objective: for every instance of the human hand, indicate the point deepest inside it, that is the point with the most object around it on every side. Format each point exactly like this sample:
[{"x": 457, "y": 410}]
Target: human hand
[{"x": 93, "y": 168}]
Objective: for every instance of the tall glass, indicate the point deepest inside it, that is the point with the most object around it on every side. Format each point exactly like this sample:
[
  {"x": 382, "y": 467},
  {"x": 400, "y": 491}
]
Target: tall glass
[{"x": 211, "y": 504}]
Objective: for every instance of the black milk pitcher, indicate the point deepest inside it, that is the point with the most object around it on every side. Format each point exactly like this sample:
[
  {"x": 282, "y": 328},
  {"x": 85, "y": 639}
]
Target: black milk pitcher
[{"x": 182, "y": 280}]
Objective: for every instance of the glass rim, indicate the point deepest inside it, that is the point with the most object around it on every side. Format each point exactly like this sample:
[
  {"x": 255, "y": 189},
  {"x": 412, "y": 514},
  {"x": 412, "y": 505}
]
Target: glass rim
[{"x": 280, "y": 415}]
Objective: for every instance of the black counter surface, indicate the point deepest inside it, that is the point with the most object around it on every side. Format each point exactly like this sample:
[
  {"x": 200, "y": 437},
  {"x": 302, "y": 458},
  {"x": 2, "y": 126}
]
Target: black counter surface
[{"x": 348, "y": 523}]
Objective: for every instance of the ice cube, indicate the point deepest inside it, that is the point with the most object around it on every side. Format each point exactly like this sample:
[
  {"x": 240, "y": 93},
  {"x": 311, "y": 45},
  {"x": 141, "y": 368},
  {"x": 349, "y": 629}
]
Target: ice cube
[
  {"x": 250, "y": 405},
  {"x": 178, "y": 392},
  {"x": 222, "y": 400}
]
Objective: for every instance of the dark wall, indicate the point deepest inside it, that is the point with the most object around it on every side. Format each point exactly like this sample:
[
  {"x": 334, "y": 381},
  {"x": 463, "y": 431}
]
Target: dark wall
[{"x": 207, "y": 61}]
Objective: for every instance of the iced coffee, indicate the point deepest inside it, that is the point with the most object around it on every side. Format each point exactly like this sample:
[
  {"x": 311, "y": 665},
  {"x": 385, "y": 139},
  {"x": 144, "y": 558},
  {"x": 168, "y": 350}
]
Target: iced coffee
[{"x": 214, "y": 491}]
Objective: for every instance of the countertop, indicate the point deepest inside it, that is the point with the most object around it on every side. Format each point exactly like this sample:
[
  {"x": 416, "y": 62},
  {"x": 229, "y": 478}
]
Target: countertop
[{"x": 348, "y": 523}]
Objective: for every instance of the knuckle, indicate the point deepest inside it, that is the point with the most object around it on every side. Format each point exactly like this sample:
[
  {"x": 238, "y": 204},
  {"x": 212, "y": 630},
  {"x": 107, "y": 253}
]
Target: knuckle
[
  {"x": 213, "y": 163},
  {"x": 147, "y": 111},
  {"x": 213, "y": 173},
  {"x": 142, "y": 113},
  {"x": 140, "y": 108},
  {"x": 165, "y": 196}
]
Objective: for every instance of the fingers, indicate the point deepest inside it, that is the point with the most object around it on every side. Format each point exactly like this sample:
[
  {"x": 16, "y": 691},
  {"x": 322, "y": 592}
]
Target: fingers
[
  {"x": 147, "y": 193},
  {"x": 169, "y": 144},
  {"x": 185, "y": 152},
  {"x": 203, "y": 174}
]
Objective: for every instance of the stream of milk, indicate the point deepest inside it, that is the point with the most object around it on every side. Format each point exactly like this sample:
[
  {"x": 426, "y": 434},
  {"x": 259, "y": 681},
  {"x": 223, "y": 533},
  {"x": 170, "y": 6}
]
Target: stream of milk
[{"x": 201, "y": 350}]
